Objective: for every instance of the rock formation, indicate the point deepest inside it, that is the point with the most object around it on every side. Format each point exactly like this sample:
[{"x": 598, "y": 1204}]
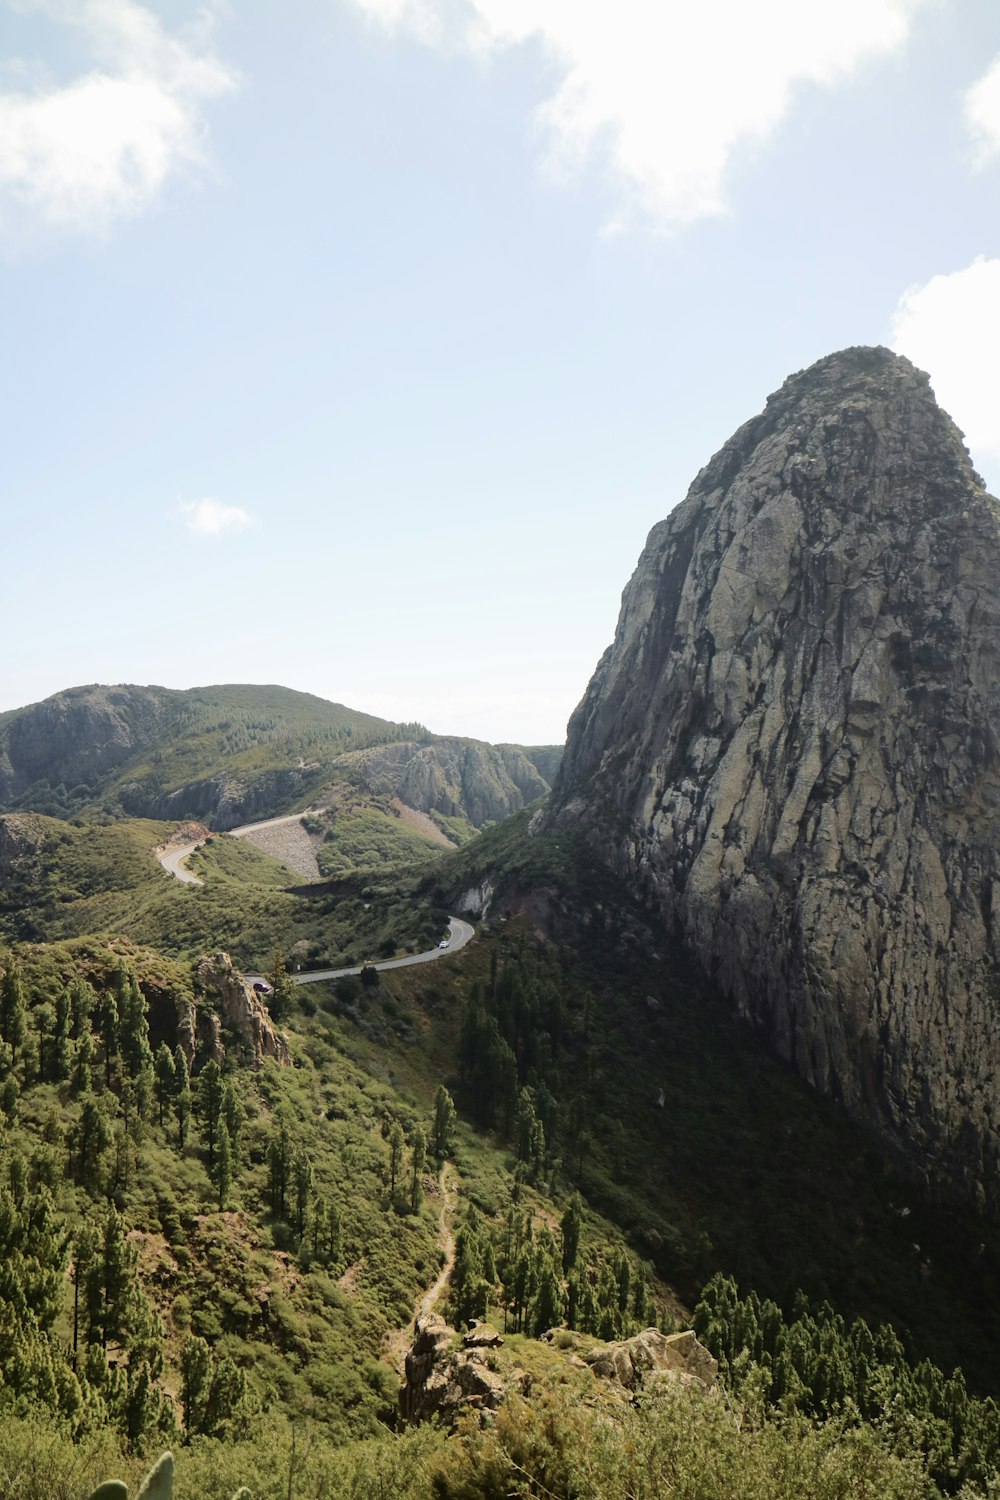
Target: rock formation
[
  {"x": 446, "y": 1376},
  {"x": 76, "y": 736},
  {"x": 631, "y": 1362},
  {"x": 792, "y": 747},
  {"x": 240, "y": 1008},
  {"x": 460, "y": 778}
]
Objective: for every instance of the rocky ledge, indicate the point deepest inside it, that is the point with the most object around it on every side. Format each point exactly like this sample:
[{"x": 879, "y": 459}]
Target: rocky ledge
[{"x": 448, "y": 1374}]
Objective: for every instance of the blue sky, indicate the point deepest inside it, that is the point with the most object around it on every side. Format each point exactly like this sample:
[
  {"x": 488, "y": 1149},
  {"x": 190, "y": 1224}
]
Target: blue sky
[{"x": 357, "y": 344}]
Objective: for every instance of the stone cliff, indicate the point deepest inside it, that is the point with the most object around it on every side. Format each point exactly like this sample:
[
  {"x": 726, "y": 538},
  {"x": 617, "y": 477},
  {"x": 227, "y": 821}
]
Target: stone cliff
[
  {"x": 460, "y": 778},
  {"x": 792, "y": 747}
]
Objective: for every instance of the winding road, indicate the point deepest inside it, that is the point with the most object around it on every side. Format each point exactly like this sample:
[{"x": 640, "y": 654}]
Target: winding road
[
  {"x": 460, "y": 931},
  {"x": 172, "y": 857}
]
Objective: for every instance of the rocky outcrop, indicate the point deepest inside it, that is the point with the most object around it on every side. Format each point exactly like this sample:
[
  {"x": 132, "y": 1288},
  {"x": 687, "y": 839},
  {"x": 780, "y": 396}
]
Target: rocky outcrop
[
  {"x": 444, "y": 1377},
  {"x": 448, "y": 1374},
  {"x": 227, "y": 801},
  {"x": 240, "y": 1008},
  {"x": 22, "y": 838},
  {"x": 638, "y": 1361},
  {"x": 792, "y": 748},
  {"x": 460, "y": 778}
]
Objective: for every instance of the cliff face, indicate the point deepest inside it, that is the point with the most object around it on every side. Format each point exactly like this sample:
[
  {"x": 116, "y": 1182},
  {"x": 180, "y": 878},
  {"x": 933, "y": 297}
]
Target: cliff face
[
  {"x": 792, "y": 745},
  {"x": 460, "y": 778}
]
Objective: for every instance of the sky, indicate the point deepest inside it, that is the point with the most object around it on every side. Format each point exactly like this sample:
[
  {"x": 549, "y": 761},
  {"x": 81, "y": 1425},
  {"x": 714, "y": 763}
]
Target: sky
[{"x": 356, "y": 345}]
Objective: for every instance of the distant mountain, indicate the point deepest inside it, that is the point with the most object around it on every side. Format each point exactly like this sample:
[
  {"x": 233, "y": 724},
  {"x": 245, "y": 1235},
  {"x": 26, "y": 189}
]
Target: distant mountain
[{"x": 236, "y": 753}]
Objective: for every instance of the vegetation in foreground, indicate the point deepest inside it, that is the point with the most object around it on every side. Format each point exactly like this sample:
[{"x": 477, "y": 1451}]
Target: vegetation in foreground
[{"x": 214, "y": 1260}]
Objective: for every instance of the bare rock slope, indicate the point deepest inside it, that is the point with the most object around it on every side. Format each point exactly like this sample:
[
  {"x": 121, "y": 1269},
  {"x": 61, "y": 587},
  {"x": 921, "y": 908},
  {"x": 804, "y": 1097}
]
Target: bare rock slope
[{"x": 792, "y": 746}]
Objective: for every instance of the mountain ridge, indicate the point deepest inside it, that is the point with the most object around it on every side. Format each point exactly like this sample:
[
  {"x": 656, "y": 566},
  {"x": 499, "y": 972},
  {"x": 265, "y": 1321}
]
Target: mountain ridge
[{"x": 229, "y": 754}]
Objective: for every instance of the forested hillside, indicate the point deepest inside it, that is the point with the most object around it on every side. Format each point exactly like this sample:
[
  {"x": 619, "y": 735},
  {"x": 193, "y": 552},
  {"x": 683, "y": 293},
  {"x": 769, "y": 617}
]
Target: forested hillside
[{"x": 222, "y": 1253}]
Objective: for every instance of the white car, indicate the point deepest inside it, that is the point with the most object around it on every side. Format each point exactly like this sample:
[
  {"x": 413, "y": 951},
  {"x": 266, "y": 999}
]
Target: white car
[{"x": 444, "y": 942}]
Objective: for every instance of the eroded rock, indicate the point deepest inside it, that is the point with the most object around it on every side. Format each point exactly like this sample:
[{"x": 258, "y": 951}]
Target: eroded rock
[
  {"x": 444, "y": 1380},
  {"x": 791, "y": 747},
  {"x": 650, "y": 1352},
  {"x": 239, "y": 1007}
]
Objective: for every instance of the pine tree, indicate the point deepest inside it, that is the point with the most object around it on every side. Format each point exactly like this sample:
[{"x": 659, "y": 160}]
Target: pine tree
[
  {"x": 282, "y": 988},
  {"x": 164, "y": 1079},
  {"x": 117, "y": 1270},
  {"x": 196, "y": 1375},
  {"x": 108, "y": 1021},
  {"x": 444, "y": 1120},
  {"x": 301, "y": 1182},
  {"x": 223, "y": 1165},
  {"x": 13, "y": 1014},
  {"x": 570, "y": 1229},
  {"x": 9, "y": 1094},
  {"x": 61, "y": 1050},
  {"x": 234, "y": 1115},
  {"x": 82, "y": 1079},
  {"x": 417, "y": 1165},
  {"x": 279, "y": 1164},
  {"x": 208, "y": 1090},
  {"x": 89, "y": 1142},
  {"x": 396, "y": 1144},
  {"x": 547, "y": 1308},
  {"x": 182, "y": 1095},
  {"x": 81, "y": 1005},
  {"x": 133, "y": 1031},
  {"x": 318, "y": 1225},
  {"x": 85, "y": 1249}
]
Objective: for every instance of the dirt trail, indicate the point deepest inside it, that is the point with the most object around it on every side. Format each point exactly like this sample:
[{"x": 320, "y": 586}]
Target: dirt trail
[{"x": 398, "y": 1340}]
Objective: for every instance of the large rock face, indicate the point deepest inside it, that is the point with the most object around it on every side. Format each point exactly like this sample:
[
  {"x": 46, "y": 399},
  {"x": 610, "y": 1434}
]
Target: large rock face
[
  {"x": 792, "y": 744},
  {"x": 460, "y": 778}
]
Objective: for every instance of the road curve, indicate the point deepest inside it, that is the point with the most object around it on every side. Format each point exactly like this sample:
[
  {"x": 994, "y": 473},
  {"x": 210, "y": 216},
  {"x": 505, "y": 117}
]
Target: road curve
[
  {"x": 461, "y": 932},
  {"x": 172, "y": 856},
  {"x": 172, "y": 859}
]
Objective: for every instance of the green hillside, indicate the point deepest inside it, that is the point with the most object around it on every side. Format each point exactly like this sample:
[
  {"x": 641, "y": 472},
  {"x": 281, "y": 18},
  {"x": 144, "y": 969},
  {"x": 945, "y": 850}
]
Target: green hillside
[
  {"x": 270, "y": 1226},
  {"x": 127, "y": 749},
  {"x": 64, "y": 880},
  {"x": 270, "y": 1243}
]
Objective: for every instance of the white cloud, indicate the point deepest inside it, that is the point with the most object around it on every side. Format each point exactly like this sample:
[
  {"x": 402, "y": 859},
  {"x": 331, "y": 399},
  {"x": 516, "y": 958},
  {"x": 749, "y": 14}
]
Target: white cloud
[
  {"x": 982, "y": 112},
  {"x": 77, "y": 155},
  {"x": 212, "y": 518},
  {"x": 950, "y": 327},
  {"x": 665, "y": 93}
]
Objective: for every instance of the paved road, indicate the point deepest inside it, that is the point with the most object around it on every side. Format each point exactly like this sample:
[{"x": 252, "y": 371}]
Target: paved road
[
  {"x": 460, "y": 931},
  {"x": 172, "y": 859},
  {"x": 245, "y": 828},
  {"x": 173, "y": 856}
]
